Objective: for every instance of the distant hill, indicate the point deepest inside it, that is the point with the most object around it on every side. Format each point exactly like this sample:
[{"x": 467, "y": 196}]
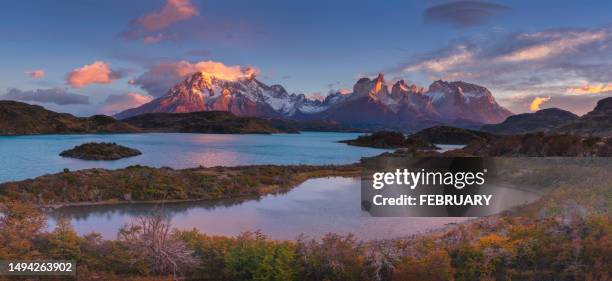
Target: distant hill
[
  {"x": 17, "y": 118},
  {"x": 217, "y": 122},
  {"x": 596, "y": 123},
  {"x": 541, "y": 121},
  {"x": 538, "y": 145}
]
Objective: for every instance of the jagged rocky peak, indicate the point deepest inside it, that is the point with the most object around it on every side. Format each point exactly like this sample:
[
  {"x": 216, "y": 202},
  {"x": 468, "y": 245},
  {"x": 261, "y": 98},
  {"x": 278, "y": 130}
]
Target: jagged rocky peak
[
  {"x": 377, "y": 88},
  {"x": 379, "y": 83},
  {"x": 372, "y": 88},
  {"x": 362, "y": 87},
  {"x": 401, "y": 88}
]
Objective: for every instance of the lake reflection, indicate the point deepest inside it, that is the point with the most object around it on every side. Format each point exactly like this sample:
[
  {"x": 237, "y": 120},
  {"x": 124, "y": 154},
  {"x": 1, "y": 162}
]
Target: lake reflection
[{"x": 316, "y": 207}]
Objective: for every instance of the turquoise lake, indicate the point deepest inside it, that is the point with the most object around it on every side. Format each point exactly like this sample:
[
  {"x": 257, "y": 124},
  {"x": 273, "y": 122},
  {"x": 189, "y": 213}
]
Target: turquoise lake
[
  {"x": 23, "y": 157},
  {"x": 313, "y": 208}
]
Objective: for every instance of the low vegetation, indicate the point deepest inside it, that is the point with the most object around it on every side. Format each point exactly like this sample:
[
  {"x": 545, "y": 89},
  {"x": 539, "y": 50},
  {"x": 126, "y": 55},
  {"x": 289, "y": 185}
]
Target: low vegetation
[
  {"x": 139, "y": 183},
  {"x": 100, "y": 151},
  {"x": 566, "y": 235}
]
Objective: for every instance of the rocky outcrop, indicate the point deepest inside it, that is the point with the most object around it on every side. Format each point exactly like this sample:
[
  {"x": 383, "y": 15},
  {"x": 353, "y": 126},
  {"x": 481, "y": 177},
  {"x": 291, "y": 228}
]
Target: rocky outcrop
[
  {"x": 17, "y": 118},
  {"x": 541, "y": 121}
]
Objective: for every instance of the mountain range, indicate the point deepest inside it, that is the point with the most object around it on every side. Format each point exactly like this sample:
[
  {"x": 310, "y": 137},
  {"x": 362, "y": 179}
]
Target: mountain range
[{"x": 372, "y": 103}]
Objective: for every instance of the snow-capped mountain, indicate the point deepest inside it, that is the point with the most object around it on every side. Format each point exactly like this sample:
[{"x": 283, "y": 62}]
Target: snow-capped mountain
[
  {"x": 409, "y": 107},
  {"x": 243, "y": 97},
  {"x": 460, "y": 100},
  {"x": 372, "y": 103}
]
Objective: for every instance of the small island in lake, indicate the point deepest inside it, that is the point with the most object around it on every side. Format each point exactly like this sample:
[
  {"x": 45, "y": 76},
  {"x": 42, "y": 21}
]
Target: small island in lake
[
  {"x": 100, "y": 151},
  {"x": 387, "y": 139}
]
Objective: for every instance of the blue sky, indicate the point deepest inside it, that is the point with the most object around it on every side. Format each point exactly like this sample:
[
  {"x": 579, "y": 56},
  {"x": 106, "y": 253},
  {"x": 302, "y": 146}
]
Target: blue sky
[{"x": 556, "y": 51}]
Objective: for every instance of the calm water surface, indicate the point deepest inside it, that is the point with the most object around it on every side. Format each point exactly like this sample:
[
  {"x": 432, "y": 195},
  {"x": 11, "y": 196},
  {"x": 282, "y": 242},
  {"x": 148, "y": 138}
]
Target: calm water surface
[
  {"x": 314, "y": 208},
  {"x": 25, "y": 157}
]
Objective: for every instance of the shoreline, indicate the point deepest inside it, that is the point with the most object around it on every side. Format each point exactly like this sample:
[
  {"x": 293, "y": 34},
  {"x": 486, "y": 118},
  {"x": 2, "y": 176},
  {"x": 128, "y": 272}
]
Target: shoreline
[
  {"x": 170, "y": 201},
  {"x": 142, "y": 184}
]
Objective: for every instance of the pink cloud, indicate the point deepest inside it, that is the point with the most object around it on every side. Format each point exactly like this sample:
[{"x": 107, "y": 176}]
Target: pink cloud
[
  {"x": 162, "y": 76},
  {"x": 173, "y": 11},
  {"x": 316, "y": 96},
  {"x": 98, "y": 72},
  {"x": 36, "y": 74},
  {"x": 345, "y": 91},
  {"x": 118, "y": 103},
  {"x": 150, "y": 39}
]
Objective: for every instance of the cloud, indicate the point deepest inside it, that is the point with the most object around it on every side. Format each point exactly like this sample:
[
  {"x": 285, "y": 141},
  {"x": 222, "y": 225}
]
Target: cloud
[
  {"x": 553, "y": 44},
  {"x": 455, "y": 57},
  {"x": 150, "y": 39},
  {"x": 118, "y": 103},
  {"x": 463, "y": 13},
  {"x": 514, "y": 51},
  {"x": 162, "y": 76},
  {"x": 56, "y": 96},
  {"x": 537, "y": 101},
  {"x": 316, "y": 96},
  {"x": 544, "y": 63},
  {"x": 36, "y": 74},
  {"x": 344, "y": 91},
  {"x": 591, "y": 89},
  {"x": 151, "y": 28},
  {"x": 173, "y": 11},
  {"x": 98, "y": 72}
]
